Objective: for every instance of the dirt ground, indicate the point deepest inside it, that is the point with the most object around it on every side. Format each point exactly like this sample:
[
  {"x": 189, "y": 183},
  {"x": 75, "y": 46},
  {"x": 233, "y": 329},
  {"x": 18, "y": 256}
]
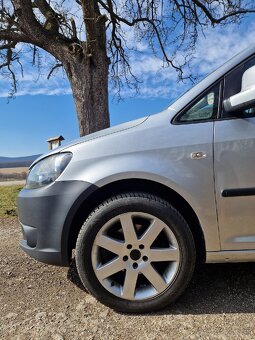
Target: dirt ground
[{"x": 44, "y": 302}]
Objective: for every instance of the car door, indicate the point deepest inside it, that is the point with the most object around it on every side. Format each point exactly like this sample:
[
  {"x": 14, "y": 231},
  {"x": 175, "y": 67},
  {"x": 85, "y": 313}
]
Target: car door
[
  {"x": 234, "y": 166},
  {"x": 191, "y": 157}
]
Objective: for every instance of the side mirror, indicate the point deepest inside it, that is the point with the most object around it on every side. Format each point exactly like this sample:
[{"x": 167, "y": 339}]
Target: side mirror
[{"x": 246, "y": 98}]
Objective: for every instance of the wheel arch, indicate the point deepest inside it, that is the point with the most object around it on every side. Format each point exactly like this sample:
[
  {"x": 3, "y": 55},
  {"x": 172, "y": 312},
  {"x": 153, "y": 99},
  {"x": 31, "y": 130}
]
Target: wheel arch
[{"x": 144, "y": 185}]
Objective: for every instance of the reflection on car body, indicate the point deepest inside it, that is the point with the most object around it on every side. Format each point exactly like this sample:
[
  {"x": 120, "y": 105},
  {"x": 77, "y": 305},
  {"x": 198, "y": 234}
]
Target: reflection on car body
[{"x": 141, "y": 203}]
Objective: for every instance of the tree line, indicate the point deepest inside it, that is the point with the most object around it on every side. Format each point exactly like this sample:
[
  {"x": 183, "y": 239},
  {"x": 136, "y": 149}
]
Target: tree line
[{"x": 12, "y": 176}]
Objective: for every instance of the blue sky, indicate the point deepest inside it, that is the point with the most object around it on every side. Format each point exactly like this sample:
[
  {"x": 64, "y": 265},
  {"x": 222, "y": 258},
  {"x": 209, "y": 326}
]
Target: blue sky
[
  {"x": 29, "y": 120},
  {"x": 44, "y": 108}
]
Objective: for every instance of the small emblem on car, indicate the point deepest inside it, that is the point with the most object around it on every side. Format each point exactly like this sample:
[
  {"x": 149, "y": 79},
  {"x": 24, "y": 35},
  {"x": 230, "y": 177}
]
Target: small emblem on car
[{"x": 198, "y": 155}]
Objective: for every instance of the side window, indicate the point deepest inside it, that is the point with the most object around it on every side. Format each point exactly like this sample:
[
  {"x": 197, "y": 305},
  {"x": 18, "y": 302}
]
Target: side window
[
  {"x": 203, "y": 109},
  {"x": 233, "y": 85}
]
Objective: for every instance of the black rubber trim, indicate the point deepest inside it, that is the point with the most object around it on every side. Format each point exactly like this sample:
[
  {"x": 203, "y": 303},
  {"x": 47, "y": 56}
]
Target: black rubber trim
[
  {"x": 238, "y": 192},
  {"x": 175, "y": 120},
  {"x": 46, "y": 216}
]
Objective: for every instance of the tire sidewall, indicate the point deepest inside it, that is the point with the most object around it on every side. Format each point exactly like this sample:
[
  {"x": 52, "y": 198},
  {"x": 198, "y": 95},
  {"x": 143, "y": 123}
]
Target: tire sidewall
[{"x": 135, "y": 203}]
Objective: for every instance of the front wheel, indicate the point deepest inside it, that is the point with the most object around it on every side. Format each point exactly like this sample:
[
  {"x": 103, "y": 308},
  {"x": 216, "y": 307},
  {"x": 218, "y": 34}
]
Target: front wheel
[{"x": 135, "y": 253}]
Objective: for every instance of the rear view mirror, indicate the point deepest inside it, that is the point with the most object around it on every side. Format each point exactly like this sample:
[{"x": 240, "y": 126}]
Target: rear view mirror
[{"x": 246, "y": 98}]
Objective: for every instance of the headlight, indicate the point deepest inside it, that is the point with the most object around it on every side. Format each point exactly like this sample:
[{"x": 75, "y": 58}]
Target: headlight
[{"x": 47, "y": 170}]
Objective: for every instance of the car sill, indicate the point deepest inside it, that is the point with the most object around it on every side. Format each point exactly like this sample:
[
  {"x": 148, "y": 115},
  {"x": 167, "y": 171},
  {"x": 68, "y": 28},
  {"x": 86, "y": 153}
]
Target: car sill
[{"x": 230, "y": 256}]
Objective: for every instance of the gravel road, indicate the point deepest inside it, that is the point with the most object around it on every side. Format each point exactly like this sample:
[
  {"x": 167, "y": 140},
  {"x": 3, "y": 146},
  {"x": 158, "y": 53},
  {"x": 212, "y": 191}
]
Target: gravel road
[{"x": 44, "y": 302}]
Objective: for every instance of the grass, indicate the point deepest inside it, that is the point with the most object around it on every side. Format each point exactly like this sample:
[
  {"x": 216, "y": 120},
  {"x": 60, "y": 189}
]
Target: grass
[{"x": 8, "y": 198}]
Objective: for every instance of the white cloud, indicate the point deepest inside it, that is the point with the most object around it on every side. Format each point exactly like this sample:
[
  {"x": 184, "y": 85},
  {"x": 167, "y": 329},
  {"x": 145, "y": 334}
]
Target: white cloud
[
  {"x": 220, "y": 44},
  {"x": 214, "y": 49},
  {"x": 30, "y": 84}
]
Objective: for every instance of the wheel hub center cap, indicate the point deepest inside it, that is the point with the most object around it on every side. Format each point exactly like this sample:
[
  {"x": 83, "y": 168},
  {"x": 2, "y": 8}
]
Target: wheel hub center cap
[{"x": 135, "y": 254}]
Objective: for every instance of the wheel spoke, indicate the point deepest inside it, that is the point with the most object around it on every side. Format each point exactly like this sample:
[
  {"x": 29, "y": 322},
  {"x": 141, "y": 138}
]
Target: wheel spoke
[
  {"x": 152, "y": 232},
  {"x": 129, "y": 286},
  {"x": 110, "y": 268},
  {"x": 155, "y": 279},
  {"x": 128, "y": 228},
  {"x": 165, "y": 254},
  {"x": 110, "y": 244},
  {"x": 135, "y": 243}
]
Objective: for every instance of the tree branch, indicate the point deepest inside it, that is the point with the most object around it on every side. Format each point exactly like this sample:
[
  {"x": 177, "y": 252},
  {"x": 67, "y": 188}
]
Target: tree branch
[
  {"x": 27, "y": 21},
  {"x": 74, "y": 29},
  {"x": 224, "y": 17},
  {"x": 53, "y": 69},
  {"x": 115, "y": 17},
  {"x": 14, "y": 37},
  {"x": 37, "y": 34},
  {"x": 8, "y": 63},
  {"x": 52, "y": 18}
]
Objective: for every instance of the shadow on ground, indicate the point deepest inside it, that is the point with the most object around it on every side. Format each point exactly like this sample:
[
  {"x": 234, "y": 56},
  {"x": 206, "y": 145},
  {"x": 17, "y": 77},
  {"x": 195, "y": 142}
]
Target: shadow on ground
[
  {"x": 215, "y": 288},
  {"x": 73, "y": 276},
  {"x": 219, "y": 288}
]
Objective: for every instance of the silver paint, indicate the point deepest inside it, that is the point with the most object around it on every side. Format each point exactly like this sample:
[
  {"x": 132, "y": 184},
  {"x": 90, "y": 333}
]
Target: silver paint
[
  {"x": 155, "y": 149},
  {"x": 157, "y": 281}
]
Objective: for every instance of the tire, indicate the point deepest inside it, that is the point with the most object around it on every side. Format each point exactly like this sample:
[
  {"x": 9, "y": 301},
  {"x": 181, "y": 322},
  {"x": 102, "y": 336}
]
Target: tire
[{"x": 135, "y": 253}]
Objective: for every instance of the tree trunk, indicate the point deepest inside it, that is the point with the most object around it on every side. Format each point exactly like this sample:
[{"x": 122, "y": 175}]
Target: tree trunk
[
  {"x": 86, "y": 65},
  {"x": 89, "y": 82}
]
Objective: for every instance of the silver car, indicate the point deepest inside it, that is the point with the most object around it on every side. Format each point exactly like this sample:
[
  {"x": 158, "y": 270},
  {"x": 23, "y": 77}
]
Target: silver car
[{"x": 141, "y": 203}]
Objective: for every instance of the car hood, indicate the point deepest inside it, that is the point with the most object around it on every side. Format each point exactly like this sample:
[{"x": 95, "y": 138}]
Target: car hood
[{"x": 98, "y": 134}]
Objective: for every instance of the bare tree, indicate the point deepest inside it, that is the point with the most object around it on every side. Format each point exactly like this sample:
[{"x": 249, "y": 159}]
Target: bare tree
[{"x": 88, "y": 47}]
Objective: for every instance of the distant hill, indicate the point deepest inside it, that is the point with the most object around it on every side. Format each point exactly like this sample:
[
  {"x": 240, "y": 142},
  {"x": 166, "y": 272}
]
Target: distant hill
[{"x": 16, "y": 162}]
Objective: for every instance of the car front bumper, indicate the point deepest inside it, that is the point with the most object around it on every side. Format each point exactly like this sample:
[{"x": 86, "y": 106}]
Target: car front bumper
[{"x": 46, "y": 215}]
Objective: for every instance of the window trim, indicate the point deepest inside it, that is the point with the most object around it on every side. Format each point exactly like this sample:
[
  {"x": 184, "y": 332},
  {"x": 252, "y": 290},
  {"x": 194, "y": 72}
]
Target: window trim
[
  {"x": 175, "y": 120},
  {"x": 230, "y": 117},
  {"x": 219, "y": 117}
]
